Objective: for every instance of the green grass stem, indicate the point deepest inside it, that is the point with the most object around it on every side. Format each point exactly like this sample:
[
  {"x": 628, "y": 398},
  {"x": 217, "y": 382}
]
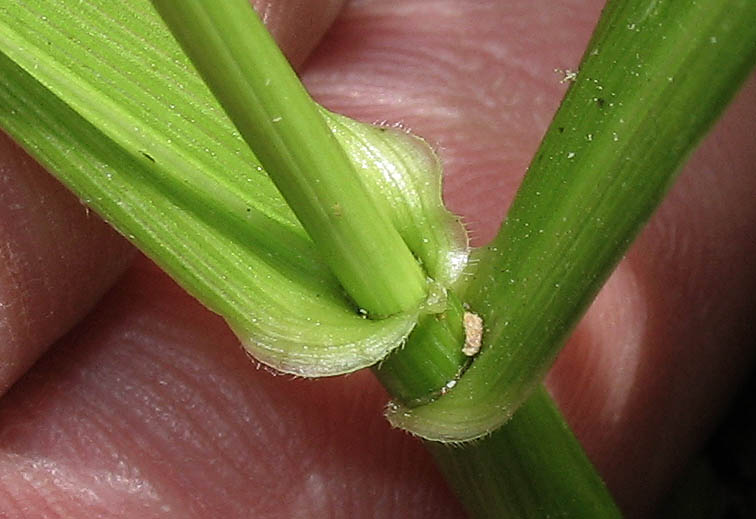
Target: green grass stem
[
  {"x": 279, "y": 121},
  {"x": 531, "y": 468},
  {"x": 654, "y": 77}
]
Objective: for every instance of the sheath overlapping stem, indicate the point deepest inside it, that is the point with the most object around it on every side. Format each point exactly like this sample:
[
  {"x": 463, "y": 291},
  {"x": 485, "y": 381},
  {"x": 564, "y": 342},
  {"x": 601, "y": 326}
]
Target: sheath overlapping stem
[
  {"x": 157, "y": 158},
  {"x": 653, "y": 79}
]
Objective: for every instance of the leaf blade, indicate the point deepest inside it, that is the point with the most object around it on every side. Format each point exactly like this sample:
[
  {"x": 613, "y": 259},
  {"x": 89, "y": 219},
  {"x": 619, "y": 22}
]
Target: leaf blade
[{"x": 135, "y": 143}]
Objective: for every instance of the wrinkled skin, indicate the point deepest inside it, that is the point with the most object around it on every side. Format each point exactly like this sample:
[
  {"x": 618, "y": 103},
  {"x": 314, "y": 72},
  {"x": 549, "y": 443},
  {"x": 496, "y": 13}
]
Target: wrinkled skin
[{"x": 147, "y": 407}]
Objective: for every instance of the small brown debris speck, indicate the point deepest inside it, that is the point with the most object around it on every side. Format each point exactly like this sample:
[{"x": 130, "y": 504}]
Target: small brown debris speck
[{"x": 473, "y": 333}]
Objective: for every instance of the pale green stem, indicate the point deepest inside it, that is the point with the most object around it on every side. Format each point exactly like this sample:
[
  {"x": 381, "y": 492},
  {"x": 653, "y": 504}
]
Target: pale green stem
[{"x": 279, "y": 121}]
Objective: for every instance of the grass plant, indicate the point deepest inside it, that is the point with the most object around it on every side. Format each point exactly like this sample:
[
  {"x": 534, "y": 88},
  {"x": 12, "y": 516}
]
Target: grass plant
[{"x": 324, "y": 242}]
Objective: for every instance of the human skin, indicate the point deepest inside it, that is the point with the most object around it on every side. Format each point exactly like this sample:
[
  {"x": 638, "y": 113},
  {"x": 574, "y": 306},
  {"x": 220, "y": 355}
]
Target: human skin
[{"x": 148, "y": 407}]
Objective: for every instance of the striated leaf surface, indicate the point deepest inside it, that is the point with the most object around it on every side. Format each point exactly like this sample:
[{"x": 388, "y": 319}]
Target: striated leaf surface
[{"x": 103, "y": 97}]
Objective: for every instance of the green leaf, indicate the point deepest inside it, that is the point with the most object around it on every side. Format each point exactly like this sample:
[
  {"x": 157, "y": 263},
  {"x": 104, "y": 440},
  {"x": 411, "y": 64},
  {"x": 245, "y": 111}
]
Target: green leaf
[
  {"x": 102, "y": 96},
  {"x": 654, "y": 77}
]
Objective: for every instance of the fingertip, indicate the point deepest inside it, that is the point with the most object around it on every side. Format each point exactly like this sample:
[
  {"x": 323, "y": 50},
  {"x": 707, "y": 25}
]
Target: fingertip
[
  {"x": 298, "y": 25},
  {"x": 151, "y": 371},
  {"x": 56, "y": 261}
]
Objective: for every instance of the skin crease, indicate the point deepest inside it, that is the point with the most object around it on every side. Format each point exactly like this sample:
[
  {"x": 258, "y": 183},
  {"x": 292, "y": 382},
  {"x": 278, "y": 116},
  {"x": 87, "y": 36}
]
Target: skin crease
[
  {"x": 148, "y": 408},
  {"x": 49, "y": 276}
]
